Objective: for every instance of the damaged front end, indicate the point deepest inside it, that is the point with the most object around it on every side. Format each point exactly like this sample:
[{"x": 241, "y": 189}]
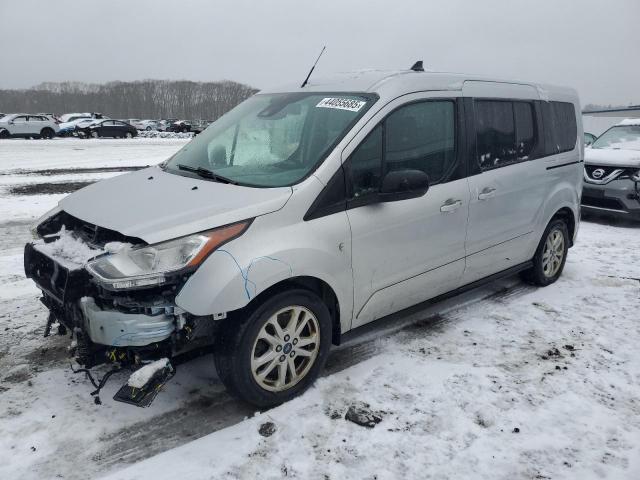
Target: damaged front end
[{"x": 115, "y": 294}]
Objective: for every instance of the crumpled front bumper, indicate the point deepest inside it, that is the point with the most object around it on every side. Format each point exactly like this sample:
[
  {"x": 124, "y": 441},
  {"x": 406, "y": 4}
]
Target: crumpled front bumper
[
  {"x": 118, "y": 329},
  {"x": 69, "y": 295}
]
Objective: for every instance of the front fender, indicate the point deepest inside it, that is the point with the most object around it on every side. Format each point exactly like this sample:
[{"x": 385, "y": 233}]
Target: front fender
[{"x": 267, "y": 254}]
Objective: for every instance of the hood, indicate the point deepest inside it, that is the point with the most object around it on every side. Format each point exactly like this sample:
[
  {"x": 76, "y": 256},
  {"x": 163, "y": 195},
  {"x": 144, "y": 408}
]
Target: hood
[
  {"x": 611, "y": 157},
  {"x": 155, "y": 206}
]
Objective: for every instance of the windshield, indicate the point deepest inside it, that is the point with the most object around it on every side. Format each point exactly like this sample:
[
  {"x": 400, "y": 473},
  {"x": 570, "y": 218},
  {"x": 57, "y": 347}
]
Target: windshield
[
  {"x": 625, "y": 137},
  {"x": 272, "y": 140}
]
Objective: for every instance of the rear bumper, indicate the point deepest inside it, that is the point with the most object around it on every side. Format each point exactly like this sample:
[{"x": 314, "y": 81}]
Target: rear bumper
[{"x": 618, "y": 198}]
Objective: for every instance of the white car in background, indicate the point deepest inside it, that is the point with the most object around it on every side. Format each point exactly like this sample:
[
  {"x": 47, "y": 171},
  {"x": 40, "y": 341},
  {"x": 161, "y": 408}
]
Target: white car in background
[
  {"x": 69, "y": 128},
  {"x": 27, "y": 126},
  {"x": 147, "y": 125},
  {"x": 69, "y": 117}
]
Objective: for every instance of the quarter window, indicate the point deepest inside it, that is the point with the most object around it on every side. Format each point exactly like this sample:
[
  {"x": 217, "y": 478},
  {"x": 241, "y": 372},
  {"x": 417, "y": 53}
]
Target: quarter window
[
  {"x": 564, "y": 118},
  {"x": 418, "y": 136},
  {"x": 365, "y": 165}
]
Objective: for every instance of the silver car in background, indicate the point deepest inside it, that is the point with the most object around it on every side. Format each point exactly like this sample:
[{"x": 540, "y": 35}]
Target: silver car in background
[
  {"x": 307, "y": 212},
  {"x": 612, "y": 172}
]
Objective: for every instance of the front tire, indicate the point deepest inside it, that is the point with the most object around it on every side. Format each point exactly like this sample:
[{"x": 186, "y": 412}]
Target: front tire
[
  {"x": 277, "y": 351},
  {"x": 550, "y": 256}
]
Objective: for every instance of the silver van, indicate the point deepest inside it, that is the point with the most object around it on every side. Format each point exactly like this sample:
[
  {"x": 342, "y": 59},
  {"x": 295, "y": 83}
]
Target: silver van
[{"x": 307, "y": 212}]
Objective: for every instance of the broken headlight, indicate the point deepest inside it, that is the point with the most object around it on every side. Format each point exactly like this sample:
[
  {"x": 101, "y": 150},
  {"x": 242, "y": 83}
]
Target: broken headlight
[
  {"x": 150, "y": 264},
  {"x": 34, "y": 227}
]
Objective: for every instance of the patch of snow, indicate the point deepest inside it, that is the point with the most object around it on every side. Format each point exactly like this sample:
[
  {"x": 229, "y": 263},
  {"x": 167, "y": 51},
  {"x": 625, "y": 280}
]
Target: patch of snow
[
  {"x": 630, "y": 121},
  {"x": 70, "y": 251},
  {"x": 612, "y": 157},
  {"x": 140, "y": 377},
  {"x": 159, "y": 134}
]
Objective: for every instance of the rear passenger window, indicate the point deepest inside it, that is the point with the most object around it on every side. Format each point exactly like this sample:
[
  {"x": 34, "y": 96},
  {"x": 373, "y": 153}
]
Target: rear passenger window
[
  {"x": 525, "y": 129},
  {"x": 496, "y": 133},
  {"x": 506, "y": 132}
]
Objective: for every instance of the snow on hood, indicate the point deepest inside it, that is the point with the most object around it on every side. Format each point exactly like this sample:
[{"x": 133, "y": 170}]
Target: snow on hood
[
  {"x": 155, "y": 206},
  {"x": 72, "y": 252},
  {"x": 612, "y": 157}
]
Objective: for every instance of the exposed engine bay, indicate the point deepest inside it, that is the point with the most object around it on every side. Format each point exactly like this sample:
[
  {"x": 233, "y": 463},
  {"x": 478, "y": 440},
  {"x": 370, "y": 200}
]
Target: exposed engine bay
[{"x": 128, "y": 327}]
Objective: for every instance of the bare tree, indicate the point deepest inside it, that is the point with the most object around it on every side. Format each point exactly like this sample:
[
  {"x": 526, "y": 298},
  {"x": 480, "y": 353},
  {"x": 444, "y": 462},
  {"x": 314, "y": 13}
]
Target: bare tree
[{"x": 141, "y": 99}]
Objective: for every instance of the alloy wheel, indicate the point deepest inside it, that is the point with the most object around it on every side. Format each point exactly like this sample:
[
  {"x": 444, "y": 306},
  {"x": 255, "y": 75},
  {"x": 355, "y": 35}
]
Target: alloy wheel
[
  {"x": 553, "y": 253},
  {"x": 285, "y": 349}
]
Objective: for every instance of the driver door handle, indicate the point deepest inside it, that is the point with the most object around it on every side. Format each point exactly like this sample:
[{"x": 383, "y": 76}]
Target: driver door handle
[
  {"x": 487, "y": 192},
  {"x": 451, "y": 205}
]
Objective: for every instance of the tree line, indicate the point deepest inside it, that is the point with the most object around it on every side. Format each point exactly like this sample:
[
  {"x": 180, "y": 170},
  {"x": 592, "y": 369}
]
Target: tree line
[{"x": 139, "y": 99}]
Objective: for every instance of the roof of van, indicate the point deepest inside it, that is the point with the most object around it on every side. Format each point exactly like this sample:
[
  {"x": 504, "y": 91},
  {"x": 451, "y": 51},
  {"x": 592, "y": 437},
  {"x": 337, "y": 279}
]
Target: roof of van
[{"x": 404, "y": 81}]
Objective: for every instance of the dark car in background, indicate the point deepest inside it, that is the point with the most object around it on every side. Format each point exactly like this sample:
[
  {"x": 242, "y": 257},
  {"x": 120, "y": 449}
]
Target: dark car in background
[
  {"x": 181, "y": 126},
  {"x": 107, "y": 128},
  {"x": 612, "y": 172}
]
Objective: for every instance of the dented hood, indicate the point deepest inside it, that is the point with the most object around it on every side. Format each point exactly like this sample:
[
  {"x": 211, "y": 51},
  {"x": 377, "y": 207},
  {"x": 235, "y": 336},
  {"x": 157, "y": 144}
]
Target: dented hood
[
  {"x": 155, "y": 206},
  {"x": 612, "y": 157}
]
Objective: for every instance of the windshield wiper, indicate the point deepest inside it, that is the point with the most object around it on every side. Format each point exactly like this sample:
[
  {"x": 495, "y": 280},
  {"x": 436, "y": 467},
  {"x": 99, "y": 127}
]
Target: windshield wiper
[{"x": 206, "y": 173}]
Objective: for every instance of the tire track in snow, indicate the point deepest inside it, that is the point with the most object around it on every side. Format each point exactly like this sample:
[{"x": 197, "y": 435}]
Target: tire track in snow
[{"x": 207, "y": 414}]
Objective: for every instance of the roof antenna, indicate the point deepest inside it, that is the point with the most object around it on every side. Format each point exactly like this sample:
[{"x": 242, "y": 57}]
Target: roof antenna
[
  {"x": 314, "y": 66},
  {"x": 417, "y": 67}
]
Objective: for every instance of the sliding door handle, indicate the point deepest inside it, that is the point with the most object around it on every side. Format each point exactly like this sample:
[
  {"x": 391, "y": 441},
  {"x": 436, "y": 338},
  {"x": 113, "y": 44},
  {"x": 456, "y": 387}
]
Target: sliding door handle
[
  {"x": 451, "y": 205},
  {"x": 487, "y": 192}
]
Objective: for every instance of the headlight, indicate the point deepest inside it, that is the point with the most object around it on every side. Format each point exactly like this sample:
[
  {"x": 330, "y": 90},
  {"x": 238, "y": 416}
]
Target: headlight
[
  {"x": 150, "y": 264},
  {"x": 36, "y": 224}
]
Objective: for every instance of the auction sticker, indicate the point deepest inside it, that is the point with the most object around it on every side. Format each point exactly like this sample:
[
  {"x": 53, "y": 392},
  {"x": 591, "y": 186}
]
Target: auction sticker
[{"x": 341, "y": 104}]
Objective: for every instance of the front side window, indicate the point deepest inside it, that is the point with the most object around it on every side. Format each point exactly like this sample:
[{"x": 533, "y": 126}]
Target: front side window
[
  {"x": 271, "y": 140},
  {"x": 418, "y": 136},
  {"x": 625, "y": 137}
]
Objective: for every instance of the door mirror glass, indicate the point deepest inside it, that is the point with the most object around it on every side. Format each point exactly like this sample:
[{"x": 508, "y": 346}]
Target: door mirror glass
[{"x": 403, "y": 184}]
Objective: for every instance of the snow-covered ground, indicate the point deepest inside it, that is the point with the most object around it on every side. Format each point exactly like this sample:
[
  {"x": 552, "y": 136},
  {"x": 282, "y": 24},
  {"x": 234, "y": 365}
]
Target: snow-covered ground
[{"x": 506, "y": 382}]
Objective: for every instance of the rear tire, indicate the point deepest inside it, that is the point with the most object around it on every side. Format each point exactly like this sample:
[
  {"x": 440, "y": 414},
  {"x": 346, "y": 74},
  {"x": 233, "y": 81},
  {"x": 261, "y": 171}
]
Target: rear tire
[
  {"x": 550, "y": 256},
  {"x": 265, "y": 365}
]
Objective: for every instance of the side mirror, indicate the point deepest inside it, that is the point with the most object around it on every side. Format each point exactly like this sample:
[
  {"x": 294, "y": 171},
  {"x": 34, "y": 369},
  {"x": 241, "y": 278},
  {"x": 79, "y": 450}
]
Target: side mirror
[{"x": 403, "y": 184}]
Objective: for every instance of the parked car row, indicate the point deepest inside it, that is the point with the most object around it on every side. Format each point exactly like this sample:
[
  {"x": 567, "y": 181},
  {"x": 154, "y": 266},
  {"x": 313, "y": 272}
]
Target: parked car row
[{"x": 89, "y": 124}]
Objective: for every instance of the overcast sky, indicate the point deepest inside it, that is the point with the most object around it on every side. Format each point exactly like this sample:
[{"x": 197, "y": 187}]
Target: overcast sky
[{"x": 591, "y": 45}]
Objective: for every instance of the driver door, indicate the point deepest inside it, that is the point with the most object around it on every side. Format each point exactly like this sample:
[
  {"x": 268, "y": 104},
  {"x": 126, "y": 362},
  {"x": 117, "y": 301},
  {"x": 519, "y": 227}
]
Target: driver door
[
  {"x": 20, "y": 126},
  {"x": 408, "y": 251}
]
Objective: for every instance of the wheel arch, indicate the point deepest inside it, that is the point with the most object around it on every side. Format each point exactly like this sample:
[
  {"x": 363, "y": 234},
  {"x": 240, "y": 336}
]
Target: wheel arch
[
  {"x": 568, "y": 216},
  {"x": 313, "y": 284}
]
